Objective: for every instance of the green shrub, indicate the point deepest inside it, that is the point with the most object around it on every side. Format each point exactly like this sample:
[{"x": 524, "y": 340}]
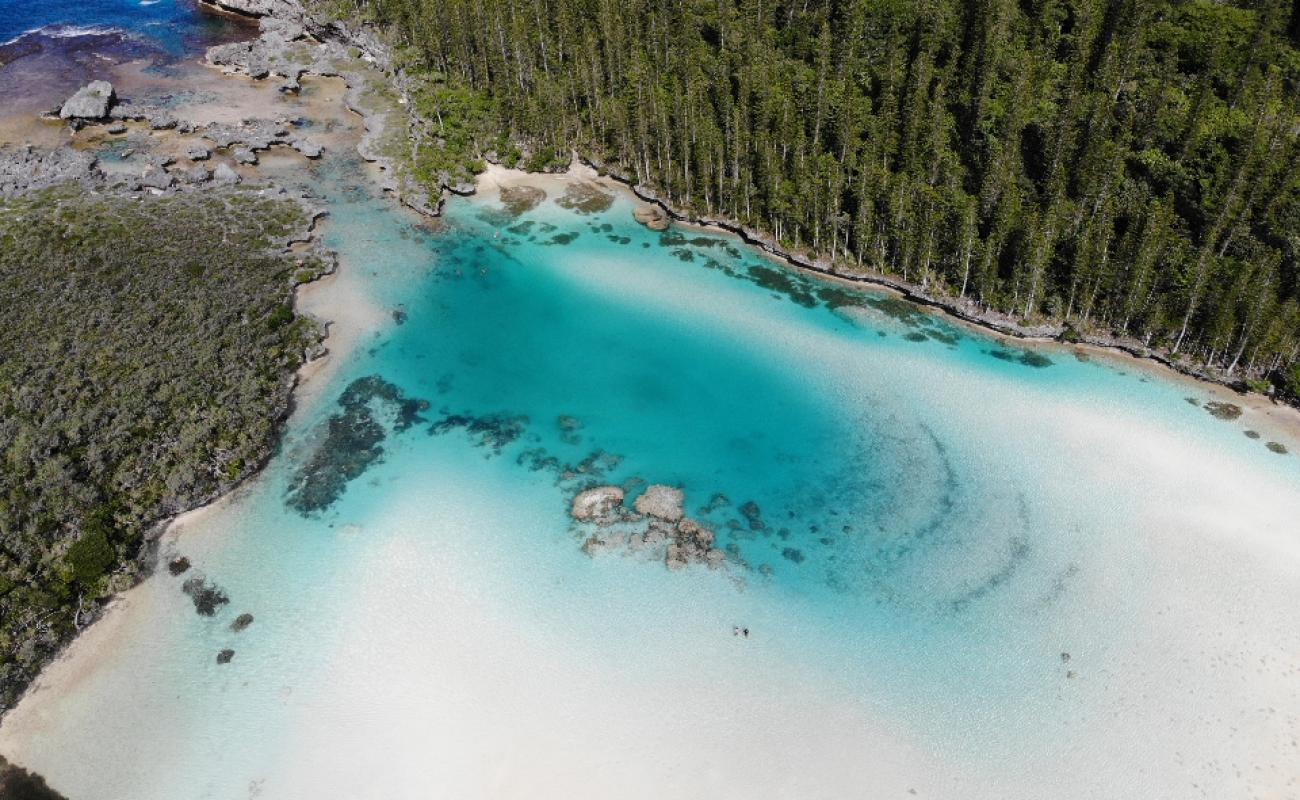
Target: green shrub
[{"x": 90, "y": 557}]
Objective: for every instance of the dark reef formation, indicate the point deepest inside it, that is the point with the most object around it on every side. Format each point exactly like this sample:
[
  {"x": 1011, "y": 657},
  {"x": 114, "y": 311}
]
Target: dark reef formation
[{"x": 352, "y": 441}]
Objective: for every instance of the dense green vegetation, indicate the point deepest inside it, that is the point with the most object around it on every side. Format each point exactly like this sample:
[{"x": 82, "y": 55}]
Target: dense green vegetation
[
  {"x": 146, "y": 358},
  {"x": 1122, "y": 165}
]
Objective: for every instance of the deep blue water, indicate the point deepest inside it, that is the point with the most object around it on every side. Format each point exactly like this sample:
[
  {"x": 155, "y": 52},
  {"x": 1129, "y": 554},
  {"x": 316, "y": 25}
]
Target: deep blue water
[{"x": 169, "y": 28}]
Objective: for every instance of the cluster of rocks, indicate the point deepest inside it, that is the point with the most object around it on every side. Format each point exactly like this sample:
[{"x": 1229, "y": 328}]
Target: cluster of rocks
[
  {"x": 96, "y": 103},
  {"x": 656, "y": 525},
  {"x": 291, "y": 45},
  {"x": 208, "y": 599},
  {"x": 24, "y": 169},
  {"x": 253, "y": 135}
]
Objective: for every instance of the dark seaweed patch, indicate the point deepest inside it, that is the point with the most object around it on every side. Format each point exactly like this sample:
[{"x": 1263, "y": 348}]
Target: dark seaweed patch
[
  {"x": 1029, "y": 358},
  {"x": 779, "y": 280},
  {"x": 753, "y": 516},
  {"x": 1223, "y": 411},
  {"x": 898, "y": 309},
  {"x": 585, "y": 198},
  {"x": 1252, "y": 434},
  {"x": 517, "y": 200},
  {"x": 836, "y": 297},
  {"x": 493, "y": 431},
  {"x": 570, "y": 429},
  {"x": 351, "y": 443},
  {"x": 207, "y": 597},
  {"x": 1277, "y": 447},
  {"x": 522, "y": 228},
  {"x": 916, "y": 336},
  {"x": 563, "y": 238},
  {"x": 793, "y": 554},
  {"x": 684, "y": 255}
]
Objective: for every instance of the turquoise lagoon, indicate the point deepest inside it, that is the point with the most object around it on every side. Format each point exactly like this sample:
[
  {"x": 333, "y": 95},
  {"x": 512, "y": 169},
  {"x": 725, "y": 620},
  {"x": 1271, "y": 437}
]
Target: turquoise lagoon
[{"x": 967, "y": 568}]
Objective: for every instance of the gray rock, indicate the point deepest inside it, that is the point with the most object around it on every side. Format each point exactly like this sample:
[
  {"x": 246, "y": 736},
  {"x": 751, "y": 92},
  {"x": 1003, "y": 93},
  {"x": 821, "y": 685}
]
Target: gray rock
[
  {"x": 241, "y": 622},
  {"x": 162, "y": 120},
  {"x": 155, "y": 177},
  {"x": 225, "y": 655},
  {"x": 245, "y": 156},
  {"x": 91, "y": 101},
  {"x": 224, "y": 173},
  {"x": 23, "y": 168},
  {"x": 116, "y": 128},
  {"x": 285, "y": 28},
  {"x": 281, "y": 9},
  {"x": 197, "y": 152},
  {"x": 197, "y": 174},
  {"x": 307, "y": 147}
]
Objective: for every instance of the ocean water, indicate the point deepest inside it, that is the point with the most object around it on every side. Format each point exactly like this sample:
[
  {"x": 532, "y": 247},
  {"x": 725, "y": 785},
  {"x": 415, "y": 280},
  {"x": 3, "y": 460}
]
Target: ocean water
[
  {"x": 1024, "y": 570},
  {"x": 175, "y": 26}
]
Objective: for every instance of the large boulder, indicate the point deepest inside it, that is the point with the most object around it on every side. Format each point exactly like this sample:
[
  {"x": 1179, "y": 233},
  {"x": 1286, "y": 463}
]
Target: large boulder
[{"x": 91, "y": 101}]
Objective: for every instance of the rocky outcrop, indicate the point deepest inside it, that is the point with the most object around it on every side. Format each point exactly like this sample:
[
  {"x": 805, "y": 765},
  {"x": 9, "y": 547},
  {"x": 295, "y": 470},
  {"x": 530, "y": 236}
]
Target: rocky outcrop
[
  {"x": 24, "y": 169},
  {"x": 661, "y": 501},
  {"x": 658, "y": 528},
  {"x": 281, "y": 50},
  {"x": 599, "y": 504},
  {"x": 653, "y": 217},
  {"x": 91, "y": 102},
  {"x": 280, "y": 9}
]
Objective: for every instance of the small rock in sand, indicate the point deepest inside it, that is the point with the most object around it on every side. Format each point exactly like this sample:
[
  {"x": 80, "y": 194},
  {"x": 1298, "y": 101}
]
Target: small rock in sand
[
  {"x": 245, "y": 156},
  {"x": 225, "y": 655},
  {"x": 197, "y": 152},
  {"x": 117, "y": 128},
  {"x": 241, "y": 622}
]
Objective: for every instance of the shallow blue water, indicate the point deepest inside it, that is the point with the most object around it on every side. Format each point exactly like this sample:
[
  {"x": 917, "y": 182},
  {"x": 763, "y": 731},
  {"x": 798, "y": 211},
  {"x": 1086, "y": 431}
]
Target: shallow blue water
[{"x": 929, "y": 528}]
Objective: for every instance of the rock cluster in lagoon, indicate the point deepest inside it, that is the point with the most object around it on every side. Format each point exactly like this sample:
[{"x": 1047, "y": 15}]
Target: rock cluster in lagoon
[{"x": 657, "y": 527}]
